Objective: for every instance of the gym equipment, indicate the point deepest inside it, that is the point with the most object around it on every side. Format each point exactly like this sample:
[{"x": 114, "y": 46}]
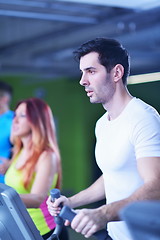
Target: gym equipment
[
  {"x": 143, "y": 219},
  {"x": 15, "y": 221},
  {"x": 67, "y": 213},
  {"x": 55, "y": 193}
]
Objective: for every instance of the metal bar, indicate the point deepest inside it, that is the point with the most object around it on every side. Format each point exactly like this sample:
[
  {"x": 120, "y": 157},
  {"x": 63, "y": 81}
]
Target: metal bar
[{"x": 49, "y": 17}]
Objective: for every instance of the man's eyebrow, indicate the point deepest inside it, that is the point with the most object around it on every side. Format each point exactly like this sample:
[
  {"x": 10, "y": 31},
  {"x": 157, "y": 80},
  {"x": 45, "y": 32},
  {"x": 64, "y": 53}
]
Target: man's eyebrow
[{"x": 88, "y": 68}]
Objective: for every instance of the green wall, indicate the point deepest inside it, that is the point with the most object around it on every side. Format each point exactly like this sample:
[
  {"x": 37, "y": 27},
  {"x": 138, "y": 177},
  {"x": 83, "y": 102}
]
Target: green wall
[
  {"x": 149, "y": 92},
  {"x": 75, "y": 121}
]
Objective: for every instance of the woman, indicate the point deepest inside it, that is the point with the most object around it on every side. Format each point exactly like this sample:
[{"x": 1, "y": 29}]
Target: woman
[{"x": 36, "y": 163}]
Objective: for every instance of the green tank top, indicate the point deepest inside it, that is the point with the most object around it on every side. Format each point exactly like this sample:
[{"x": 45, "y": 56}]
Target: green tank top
[{"x": 40, "y": 216}]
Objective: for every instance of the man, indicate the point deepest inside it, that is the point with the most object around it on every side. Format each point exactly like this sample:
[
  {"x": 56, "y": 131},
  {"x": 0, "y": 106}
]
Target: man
[
  {"x": 127, "y": 147},
  {"x": 6, "y": 116}
]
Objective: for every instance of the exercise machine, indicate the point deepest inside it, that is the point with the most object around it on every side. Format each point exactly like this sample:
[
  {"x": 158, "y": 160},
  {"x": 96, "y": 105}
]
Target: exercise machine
[
  {"x": 143, "y": 219},
  {"x": 67, "y": 213},
  {"x": 16, "y": 223}
]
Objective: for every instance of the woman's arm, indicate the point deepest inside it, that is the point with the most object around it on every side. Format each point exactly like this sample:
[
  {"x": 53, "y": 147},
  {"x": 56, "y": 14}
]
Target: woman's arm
[
  {"x": 45, "y": 171},
  {"x": 5, "y": 163}
]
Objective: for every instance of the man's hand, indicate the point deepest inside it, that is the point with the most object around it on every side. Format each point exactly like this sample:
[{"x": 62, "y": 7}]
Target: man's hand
[
  {"x": 89, "y": 221},
  {"x": 53, "y": 207}
]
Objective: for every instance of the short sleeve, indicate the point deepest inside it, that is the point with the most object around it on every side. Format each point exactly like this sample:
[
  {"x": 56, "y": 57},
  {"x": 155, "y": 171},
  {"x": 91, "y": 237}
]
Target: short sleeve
[{"x": 146, "y": 136}]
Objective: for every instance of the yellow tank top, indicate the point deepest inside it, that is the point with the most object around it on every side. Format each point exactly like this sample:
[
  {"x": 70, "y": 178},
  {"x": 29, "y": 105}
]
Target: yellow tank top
[{"x": 40, "y": 216}]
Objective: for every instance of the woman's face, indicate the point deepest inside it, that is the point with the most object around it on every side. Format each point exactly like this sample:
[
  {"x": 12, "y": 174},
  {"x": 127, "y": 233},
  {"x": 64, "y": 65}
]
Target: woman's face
[{"x": 21, "y": 126}]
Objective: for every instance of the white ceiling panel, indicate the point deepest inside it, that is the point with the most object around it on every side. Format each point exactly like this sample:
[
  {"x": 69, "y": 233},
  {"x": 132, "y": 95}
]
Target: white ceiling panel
[{"x": 139, "y": 4}]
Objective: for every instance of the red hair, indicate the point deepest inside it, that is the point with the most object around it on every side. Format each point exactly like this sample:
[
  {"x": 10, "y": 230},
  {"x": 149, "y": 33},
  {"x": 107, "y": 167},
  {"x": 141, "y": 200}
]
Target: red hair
[{"x": 43, "y": 137}]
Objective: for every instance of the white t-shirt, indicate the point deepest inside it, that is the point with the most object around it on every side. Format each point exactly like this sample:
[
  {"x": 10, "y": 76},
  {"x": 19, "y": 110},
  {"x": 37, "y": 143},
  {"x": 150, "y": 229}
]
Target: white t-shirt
[{"x": 134, "y": 134}]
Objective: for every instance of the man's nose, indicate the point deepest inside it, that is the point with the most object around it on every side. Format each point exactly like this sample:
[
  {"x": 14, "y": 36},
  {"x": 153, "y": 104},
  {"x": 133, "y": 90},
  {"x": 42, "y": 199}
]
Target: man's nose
[{"x": 84, "y": 81}]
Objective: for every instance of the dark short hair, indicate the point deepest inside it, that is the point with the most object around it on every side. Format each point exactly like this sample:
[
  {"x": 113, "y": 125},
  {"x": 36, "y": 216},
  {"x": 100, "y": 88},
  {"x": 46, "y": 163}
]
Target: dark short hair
[
  {"x": 6, "y": 88},
  {"x": 110, "y": 51}
]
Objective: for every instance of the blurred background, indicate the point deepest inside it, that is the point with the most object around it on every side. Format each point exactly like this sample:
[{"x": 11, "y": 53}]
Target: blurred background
[{"x": 37, "y": 39}]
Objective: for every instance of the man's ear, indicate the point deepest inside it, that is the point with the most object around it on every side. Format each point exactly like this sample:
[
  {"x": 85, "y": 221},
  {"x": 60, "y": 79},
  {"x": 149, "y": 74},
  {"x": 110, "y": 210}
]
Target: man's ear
[{"x": 118, "y": 72}]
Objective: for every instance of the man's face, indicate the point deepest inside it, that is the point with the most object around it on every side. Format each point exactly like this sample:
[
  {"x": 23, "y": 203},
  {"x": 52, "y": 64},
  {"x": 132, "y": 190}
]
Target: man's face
[
  {"x": 98, "y": 84},
  {"x": 4, "y": 99}
]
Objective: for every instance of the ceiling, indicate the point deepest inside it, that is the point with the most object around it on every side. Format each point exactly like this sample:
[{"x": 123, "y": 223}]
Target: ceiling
[{"x": 38, "y": 37}]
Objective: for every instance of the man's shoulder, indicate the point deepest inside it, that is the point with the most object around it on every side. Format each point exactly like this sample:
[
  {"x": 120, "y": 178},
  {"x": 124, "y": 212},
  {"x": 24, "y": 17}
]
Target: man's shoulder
[
  {"x": 141, "y": 109},
  {"x": 9, "y": 114},
  {"x": 7, "y": 117},
  {"x": 143, "y": 116}
]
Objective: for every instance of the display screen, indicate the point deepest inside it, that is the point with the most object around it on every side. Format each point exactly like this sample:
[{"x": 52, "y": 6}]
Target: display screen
[{"x": 15, "y": 221}]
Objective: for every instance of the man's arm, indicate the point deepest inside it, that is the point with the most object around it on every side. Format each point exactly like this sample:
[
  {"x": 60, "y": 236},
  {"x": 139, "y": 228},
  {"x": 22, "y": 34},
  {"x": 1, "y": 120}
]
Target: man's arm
[
  {"x": 88, "y": 221},
  {"x": 149, "y": 170},
  {"x": 91, "y": 194}
]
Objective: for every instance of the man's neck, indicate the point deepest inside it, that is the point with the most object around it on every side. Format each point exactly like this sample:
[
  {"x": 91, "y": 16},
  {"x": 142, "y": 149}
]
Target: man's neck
[{"x": 117, "y": 104}]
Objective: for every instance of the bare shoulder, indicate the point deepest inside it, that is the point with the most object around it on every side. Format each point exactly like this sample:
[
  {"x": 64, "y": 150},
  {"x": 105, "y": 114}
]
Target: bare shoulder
[{"x": 47, "y": 159}]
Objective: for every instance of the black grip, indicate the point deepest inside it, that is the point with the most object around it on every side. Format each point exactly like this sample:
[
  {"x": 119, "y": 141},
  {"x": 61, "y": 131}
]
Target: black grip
[
  {"x": 55, "y": 193},
  {"x": 68, "y": 214}
]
